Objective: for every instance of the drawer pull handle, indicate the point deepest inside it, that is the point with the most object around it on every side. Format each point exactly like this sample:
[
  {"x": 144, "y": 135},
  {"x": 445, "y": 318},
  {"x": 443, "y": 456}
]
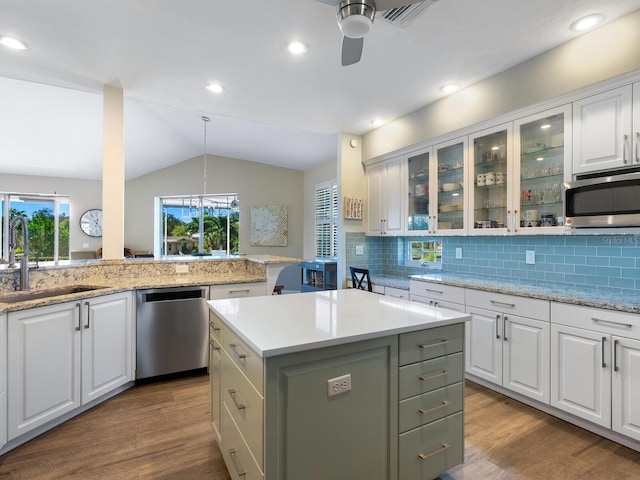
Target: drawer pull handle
[
  {"x": 215, "y": 329},
  {"x": 422, "y": 456},
  {"x": 435, "y": 375},
  {"x": 239, "y": 406},
  {"x": 439, "y": 292},
  {"x": 600, "y": 320},
  {"x": 504, "y": 304},
  {"x": 428, "y": 410},
  {"x": 234, "y": 348},
  {"x": 437, "y": 344},
  {"x": 246, "y": 290},
  {"x": 232, "y": 454}
]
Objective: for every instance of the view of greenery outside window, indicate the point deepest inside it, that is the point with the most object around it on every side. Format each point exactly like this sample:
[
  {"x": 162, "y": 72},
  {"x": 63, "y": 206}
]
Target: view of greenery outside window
[
  {"x": 424, "y": 253},
  {"x": 47, "y": 223},
  {"x": 198, "y": 224},
  {"x": 327, "y": 219}
]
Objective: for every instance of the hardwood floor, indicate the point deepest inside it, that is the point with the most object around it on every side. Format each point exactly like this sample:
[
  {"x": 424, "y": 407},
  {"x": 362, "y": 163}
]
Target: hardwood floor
[{"x": 161, "y": 431}]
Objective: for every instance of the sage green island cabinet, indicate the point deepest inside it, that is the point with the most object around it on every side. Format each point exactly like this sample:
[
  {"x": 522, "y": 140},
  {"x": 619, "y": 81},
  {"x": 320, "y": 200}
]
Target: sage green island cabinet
[{"x": 337, "y": 384}]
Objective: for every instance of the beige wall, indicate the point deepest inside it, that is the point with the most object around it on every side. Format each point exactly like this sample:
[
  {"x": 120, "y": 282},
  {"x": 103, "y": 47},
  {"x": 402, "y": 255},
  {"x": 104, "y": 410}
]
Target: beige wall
[
  {"x": 607, "y": 52},
  {"x": 256, "y": 184},
  {"x": 83, "y": 195}
]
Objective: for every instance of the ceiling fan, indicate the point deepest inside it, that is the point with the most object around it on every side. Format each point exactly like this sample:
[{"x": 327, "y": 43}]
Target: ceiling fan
[{"x": 355, "y": 18}]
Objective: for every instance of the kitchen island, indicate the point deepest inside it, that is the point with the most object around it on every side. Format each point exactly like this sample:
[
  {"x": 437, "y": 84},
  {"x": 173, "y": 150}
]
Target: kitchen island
[{"x": 336, "y": 384}]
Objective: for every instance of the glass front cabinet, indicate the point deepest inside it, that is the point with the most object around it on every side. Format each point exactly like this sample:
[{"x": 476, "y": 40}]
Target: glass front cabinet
[
  {"x": 491, "y": 168},
  {"x": 419, "y": 194},
  {"x": 542, "y": 145}
]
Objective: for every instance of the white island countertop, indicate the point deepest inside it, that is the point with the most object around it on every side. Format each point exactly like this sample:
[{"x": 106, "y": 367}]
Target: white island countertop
[{"x": 281, "y": 324}]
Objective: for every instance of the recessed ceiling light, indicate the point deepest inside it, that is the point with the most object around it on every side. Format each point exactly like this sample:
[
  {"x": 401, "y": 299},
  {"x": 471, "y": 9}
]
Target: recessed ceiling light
[
  {"x": 297, "y": 48},
  {"x": 545, "y": 126},
  {"x": 585, "y": 23},
  {"x": 377, "y": 122},
  {"x": 215, "y": 88},
  {"x": 450, "y": 88},
  {"x": 11, "y": 42}
]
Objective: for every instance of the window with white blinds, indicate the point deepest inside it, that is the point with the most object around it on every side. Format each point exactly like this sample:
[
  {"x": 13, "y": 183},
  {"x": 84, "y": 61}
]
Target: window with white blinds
[{"x": 327, "y": 219}]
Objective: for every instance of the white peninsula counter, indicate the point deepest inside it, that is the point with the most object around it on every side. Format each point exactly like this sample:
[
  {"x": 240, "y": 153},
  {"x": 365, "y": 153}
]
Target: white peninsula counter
[{"x": 338, "y": 384}]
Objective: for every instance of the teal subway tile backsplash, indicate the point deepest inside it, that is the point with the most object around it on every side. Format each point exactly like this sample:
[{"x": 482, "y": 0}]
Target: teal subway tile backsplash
[{"x": 605, "y": 263}]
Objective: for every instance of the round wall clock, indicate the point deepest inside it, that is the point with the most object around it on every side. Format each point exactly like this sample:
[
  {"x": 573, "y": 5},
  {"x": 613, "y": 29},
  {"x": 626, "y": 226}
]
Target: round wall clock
[{"x": 91, "y": 222}]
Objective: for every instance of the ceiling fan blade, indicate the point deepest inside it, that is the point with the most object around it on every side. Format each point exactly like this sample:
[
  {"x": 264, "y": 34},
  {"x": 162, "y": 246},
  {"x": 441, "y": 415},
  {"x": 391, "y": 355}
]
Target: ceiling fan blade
[
  {"x": 333, "y": 3},
  {"x": 389, "y": 4},
  {"x": 351, "y": 50}
]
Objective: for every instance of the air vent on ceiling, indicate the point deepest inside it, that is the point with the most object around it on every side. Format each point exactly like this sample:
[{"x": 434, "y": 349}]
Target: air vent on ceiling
[{"x": 404, "y": 16}]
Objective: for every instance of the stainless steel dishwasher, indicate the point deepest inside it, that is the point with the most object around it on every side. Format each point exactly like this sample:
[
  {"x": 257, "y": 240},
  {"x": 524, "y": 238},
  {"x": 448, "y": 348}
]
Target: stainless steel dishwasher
[{"x": 172, "y": 330}]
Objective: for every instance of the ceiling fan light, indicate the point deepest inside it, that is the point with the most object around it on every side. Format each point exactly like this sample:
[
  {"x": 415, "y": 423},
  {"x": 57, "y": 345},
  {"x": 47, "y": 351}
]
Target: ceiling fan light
[
  {"x": 355, "y": 26},
  {"x": 355, "y": 17}
]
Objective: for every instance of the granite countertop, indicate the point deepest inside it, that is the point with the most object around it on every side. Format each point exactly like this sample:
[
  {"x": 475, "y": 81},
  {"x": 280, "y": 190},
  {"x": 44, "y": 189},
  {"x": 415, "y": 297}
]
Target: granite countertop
[
  {"x": 576, "y": 296},
  {"x": 280, "y": 324},
  {"x": 149, "y": 279}
]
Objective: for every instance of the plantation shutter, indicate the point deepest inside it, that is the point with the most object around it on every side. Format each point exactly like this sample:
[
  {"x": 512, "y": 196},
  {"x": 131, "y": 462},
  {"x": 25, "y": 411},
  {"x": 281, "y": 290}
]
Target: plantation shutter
[{"x": 327, "y": 219}]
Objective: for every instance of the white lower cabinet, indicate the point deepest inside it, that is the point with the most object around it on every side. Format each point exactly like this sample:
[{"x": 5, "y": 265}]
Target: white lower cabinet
[
  {"x": 506, "y": 349},
  {"x": 595, "y": 360},
  {"x": 445, "y": 296},
  {"x": 237, "y": 290},
  {"x": 65, "y": 355}
]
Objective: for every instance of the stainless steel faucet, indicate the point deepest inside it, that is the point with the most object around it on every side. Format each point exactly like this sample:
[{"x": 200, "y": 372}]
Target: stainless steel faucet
[{"x": 24, "y": 263}]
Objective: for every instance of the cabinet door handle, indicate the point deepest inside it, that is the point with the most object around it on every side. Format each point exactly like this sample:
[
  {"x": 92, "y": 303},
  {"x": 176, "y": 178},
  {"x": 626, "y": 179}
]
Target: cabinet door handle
[
  {"x": 615, "y": 355},
  {"x": 232, "y": 454},
  {"x": 437, "y": 344},
  {"x": 637, "y": 155},
  {"x": 78, "y": 327},
  {"x": 434, "y": 375},
  {"x": 604, "y": 364},
  {"x": 516, "y": 222},
  {"x": 498, "y": 326},
  {"x": 495, "y": 302},
  {"x": 428, "y": 410},
  {"x": 88, "y": 314},
  {"x": 625, "y": 138},
  {"x": 239, "y": 406},
  {"x": 423, "y": 456},
  {"x": 600, "y": 320},
  {"x": 504, "y": 328},
  {"x": 508, "y": 220},
  {"x": 234, "y": 349}
]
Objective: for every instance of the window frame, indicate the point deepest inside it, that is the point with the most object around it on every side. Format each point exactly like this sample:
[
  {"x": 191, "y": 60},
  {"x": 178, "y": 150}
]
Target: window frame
[{"x": 326, "y": 219}]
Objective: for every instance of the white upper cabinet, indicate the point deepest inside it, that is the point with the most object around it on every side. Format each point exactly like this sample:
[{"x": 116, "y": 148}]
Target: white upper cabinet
[
  {"x": 542, "y": 145},
  {"x": 604, "y": 135},
  {"x": 387, "y": 197},
  {"x": 490, "y": 169},
  {"x": 450, "y": 186},
  {"x": 420, "y": 193}
]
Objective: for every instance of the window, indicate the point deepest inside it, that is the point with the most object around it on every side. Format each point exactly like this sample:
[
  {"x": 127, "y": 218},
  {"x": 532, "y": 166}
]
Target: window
[
  {"x": 327, "y": 219},
  {"x": 47, "y": 224},
  {"x": 424, "y": 253},
  {"x": 197, "y": 225}
]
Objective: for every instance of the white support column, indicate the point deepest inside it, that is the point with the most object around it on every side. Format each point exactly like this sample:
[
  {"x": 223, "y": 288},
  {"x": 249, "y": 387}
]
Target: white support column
[{"x": 113, "y": 173}]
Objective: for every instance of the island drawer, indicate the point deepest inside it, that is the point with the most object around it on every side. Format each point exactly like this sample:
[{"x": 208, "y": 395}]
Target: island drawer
[
  {"x": 428, "y": 407},
  {"x": 431, "y": 343},
  {"x": 429, "y": 375},
  {"x": 427, "y": 451},
  {"x": 622, "y": 324},
  {"x": 437, "y": 291},
  {"x": 249, "y": 362},
  {"x": 501, "y": 302},
  {"x": 245, "y": 405},
  {"x": 215, "y": 327},
  {"x": 236, "y": 453}
]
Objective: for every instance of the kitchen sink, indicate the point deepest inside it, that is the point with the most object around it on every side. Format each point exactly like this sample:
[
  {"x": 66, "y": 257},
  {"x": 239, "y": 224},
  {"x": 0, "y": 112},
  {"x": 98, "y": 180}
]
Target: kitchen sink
[{"x": 35, "y": 295}]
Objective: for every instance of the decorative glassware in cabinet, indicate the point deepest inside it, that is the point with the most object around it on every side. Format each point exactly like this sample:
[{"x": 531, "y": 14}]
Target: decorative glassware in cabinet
[
  {"x": 450, "y": 159},
  {"x": 490, "y": 179},
  {"x": 541, "y": 171},
  {"x": 418, "y": 213}
]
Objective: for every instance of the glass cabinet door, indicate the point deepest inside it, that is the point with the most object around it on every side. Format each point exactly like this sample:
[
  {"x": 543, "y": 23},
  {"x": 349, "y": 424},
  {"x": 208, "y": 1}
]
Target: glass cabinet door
[
  {"x": 540, "y": 145},
  {"x": 418, "y": 211},
  {"x": 450, "y": 162},
  {"x": 490, "y": 177}
]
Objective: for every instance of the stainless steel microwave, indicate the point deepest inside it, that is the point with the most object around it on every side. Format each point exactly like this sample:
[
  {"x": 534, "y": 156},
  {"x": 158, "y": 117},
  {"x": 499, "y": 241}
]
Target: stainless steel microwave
[{"x": 603, "y": 201}]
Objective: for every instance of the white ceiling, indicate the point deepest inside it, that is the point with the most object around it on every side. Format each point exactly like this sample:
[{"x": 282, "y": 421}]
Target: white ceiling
[{"x": 276, "y": 109}]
